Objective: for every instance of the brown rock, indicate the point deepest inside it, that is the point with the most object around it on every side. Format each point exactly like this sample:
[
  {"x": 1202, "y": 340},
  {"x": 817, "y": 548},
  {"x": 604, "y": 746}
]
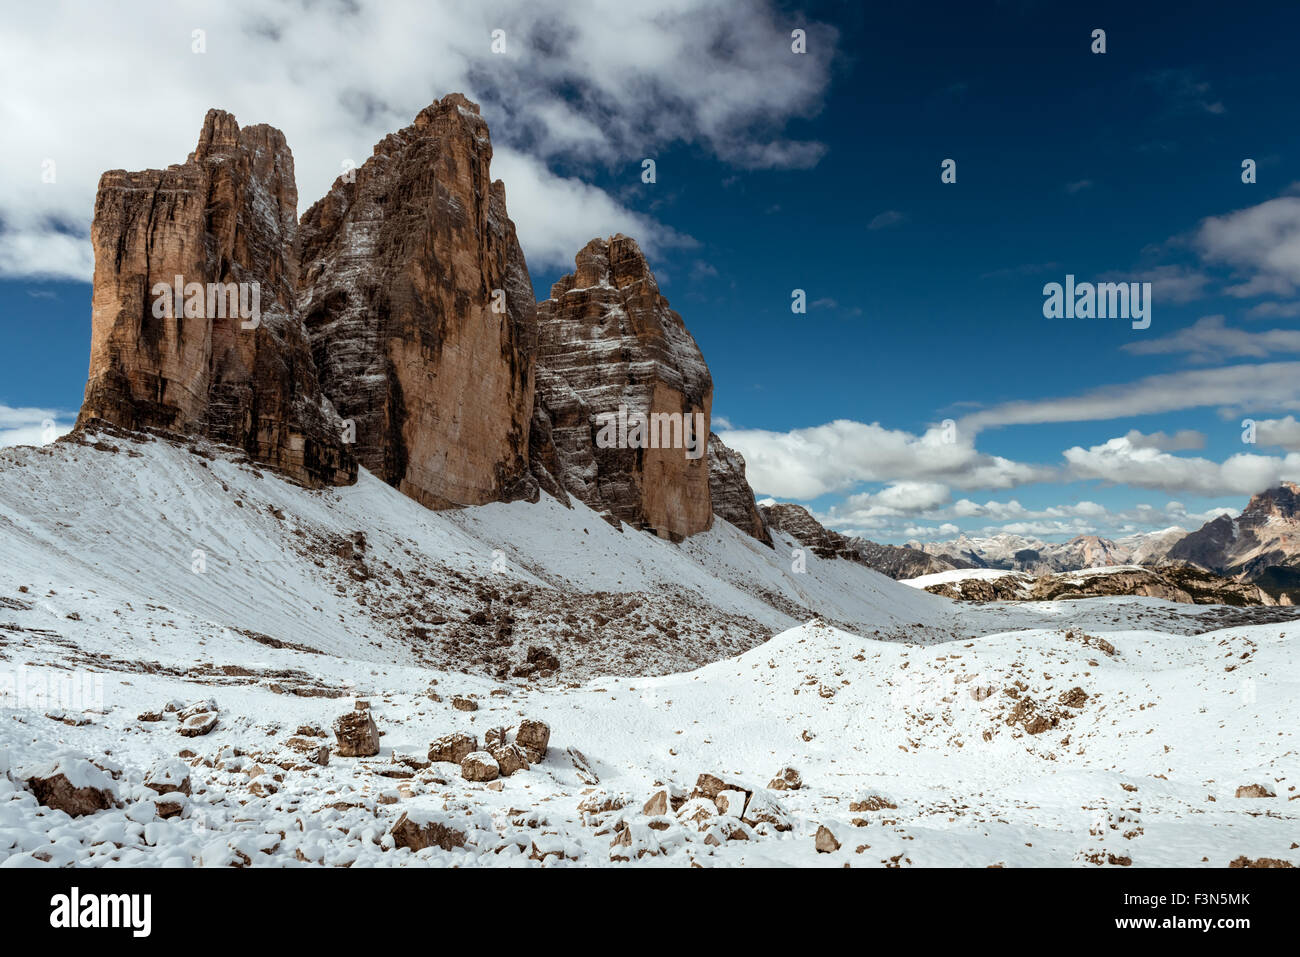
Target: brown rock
[
  {"x": 169, "y": 777},
  {"x": 534, "y": 737},
  {"x": 198, "y": 724},
  {"x": 421, "y": 313},
  {"x": 461, "y": 703},
  {"x": 787, "y": 779},
  {"x": 479, "y": 766},
  {"x": 731, "y": 495},
  {"x": 1254, "y": 791},
  {"x": 407, "y": 833},
  {"x": 825, "y": 840},
  {"x": 73, "y": 786},
  {"x": 356, "y": 734},
  {"x": 453, "y": 747},
  {"x": 509, "y": 758},
  {"x": 227, "y": 215},
  {"x": 1245, "y": 861},
  {"x": 607, "y": 338}
]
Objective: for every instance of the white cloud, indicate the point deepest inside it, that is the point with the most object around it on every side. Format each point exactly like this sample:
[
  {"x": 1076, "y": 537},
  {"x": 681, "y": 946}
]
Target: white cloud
[
  {"x": 1122, "y": 462},
  {"x": 1284, "y": 433},
  {"x": 31, "y": 426},
  {"x": 1210, "y": 339},
  {"x": 806, "y": 463},
  {"x": 582, "y": 83},
  {"x": 1261, "y": 242},
  {"x": 1274, "y": 385}
]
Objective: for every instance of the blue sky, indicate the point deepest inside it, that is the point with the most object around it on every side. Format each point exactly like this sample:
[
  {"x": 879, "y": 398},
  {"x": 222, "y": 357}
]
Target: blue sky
[{"x": 821, "y": 172}]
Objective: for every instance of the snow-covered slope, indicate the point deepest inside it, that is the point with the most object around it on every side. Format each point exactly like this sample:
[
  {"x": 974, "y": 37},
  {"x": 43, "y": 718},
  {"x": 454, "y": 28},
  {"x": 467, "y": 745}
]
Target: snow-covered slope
[{"x": 138, "y": 573}]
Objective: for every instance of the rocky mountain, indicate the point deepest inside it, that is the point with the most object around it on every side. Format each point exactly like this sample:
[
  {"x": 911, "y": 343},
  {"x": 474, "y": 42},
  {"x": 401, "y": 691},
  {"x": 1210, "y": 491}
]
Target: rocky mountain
[
  {"x": 1261, "y": 545},
  {"x": 1022, "y": 553},
  {"x": 420, "y": 310},
  {"x": 892, "y": 560},
  {"x": 624, "y": 395},
  {"x": 1172, "y": 582},
  {"x": 731, "y": 495},
  {"x": 195, "y": 328}
]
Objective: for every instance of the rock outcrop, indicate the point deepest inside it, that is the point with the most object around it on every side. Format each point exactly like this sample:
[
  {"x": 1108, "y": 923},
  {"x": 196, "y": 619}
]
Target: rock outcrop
[
  {"x": 732, "y": 497},
  {"x": 892, "y": 560},
  {"x": 421, "y": 315},
  {"x": 624, "y": 395},
  {"x": 227, "y": 358},
  {"x": 1262, "y": 545}
]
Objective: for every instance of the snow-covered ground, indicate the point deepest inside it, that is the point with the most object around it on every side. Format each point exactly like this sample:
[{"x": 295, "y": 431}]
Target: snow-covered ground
[{"x": 674, "y": 661}]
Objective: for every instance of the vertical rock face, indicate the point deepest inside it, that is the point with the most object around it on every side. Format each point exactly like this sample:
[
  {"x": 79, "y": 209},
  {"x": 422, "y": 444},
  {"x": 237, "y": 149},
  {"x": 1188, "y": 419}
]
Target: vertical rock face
[
  {"x": 732, "y": 497},
  {"x": 421, "y": 315},
  {"x": 607, "y": 340},
  {"x": 201, "y": 364}
]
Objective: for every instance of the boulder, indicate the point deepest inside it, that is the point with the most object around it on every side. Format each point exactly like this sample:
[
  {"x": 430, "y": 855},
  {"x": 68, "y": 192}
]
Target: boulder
[
  {"x": 453, "y": 747},
  {"x": 421, "y": 831},
  {"x": 356, "y": 734},
  {"x": 479, "y": 766},
  {"x": 73, "y": 785},
  {"x": 825, "y": 840},
  {"x": 533, "y": 736}
]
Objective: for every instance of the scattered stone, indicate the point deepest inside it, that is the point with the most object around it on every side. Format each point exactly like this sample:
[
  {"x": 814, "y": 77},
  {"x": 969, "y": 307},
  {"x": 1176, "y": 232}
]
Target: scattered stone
[
  {"x": 787, "y": 779},
  {"x": 1254, "y": 791},
  {"x": 356, "y": 734},
  {"x": 825, "y": 841},
  {"x": 533, "y": 736},
  {"x": 872, "y": 802},
  {"x": 479, "y": 766},
  {"x": 1245, "y": 861},
  {"x": 197, "y": 725},
  {"x": 73, "y": 785},
  {"x": 168, "y": 777},
  {"x": 419, "y": 834},
  {"x": 461, "y": 703},
  {"x": 1074, "y": 698},
  {"x": 453, "y": 747}
]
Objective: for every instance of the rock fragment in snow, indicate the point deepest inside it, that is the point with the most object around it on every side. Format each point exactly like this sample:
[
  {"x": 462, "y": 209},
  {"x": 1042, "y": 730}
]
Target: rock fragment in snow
[
  {"x": 479, "y": 766},
  {"x": 825, "y": 840},
  {"x": 453, "y": 747},
  {"x": 357, "y": 735}
]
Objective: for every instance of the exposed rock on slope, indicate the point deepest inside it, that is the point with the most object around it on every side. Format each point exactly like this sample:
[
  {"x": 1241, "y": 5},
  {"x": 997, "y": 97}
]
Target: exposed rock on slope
[
  {"x": 1172, "y": 582},
  {"x": 891, "y": 560},
  {"x": 242, "y": 376},
  {"x": 1261, "y": 545},
  {"x": 608, "y": 341},
  {"x": 421, "y": 315},
  {"x": 732, "y": 497}
]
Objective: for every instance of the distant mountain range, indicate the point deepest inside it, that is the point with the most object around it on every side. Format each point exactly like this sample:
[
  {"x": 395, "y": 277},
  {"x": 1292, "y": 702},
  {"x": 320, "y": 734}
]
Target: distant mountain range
[
  {"x": 1261, "y": 546},
  {"x": 1024, "y": 554}
]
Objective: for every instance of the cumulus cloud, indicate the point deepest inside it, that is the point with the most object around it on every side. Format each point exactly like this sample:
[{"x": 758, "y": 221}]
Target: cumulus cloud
[
  {"x": 581, "y": 85},
  {"x": 809, "y": 462},
  {"x": 1122, "y": 462},
  {"x": 1283, "y": 433}
]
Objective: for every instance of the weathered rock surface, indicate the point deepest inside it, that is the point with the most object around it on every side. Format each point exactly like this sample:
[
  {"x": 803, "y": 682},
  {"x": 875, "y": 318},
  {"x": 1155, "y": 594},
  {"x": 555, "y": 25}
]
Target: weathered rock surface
[
  {"x": 421, "y": 314},
  {"x": 417, "y": 835},
  {"x": 205, "y": 366},
  {"x": 534, "y": 737},
  {"x": 607, "y": 339},
  {"x": 453, "y": 747},
  {"x": 357, "y": 735},
  {"x": 732, "y": 497},
  {"x": 74, "y": 786},
  {"x": 479, "y": 766},
  {"x": 1261, "y": 545}
]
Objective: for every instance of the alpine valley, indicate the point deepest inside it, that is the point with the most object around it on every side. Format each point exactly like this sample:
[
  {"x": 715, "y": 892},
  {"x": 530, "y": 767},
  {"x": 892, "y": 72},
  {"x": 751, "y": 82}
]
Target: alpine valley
[{"x": 357, "y": 584}]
